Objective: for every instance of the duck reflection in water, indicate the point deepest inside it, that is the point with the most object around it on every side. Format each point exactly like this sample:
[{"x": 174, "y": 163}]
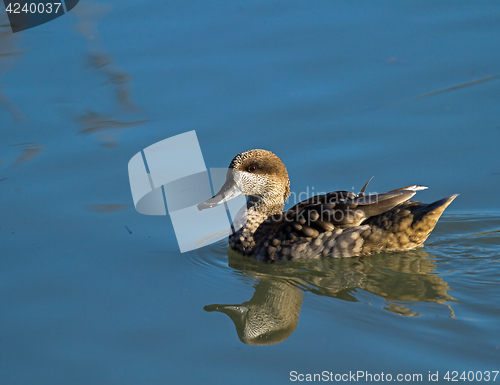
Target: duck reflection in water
[{"x": 272, "y": 314}]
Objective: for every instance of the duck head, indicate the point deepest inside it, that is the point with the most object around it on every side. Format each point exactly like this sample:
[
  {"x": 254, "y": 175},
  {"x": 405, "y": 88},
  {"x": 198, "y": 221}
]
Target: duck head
[{"x": 258, "y": 174}]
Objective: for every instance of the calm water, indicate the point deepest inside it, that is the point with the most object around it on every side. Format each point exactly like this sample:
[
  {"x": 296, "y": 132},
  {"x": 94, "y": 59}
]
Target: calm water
[{"x": 94, "y": 293}]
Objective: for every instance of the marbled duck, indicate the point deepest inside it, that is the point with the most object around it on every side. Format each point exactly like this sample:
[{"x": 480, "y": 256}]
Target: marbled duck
[{"x": 336, "y": 225}]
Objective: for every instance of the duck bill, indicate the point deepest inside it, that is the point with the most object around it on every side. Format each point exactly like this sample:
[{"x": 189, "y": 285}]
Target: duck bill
[{"x": 227, "y": 192}]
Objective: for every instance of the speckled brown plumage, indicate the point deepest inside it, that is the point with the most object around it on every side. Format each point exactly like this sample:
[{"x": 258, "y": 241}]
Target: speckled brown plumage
[{"x": 335, "y": 225}]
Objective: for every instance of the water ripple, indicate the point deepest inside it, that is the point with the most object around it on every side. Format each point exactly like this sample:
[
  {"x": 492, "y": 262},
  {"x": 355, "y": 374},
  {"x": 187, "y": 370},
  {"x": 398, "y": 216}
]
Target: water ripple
[{"x": 212, "y": 258}]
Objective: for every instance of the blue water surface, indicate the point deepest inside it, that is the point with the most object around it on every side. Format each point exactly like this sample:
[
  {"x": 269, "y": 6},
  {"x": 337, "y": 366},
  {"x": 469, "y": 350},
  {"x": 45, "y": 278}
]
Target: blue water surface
[{"x": 93, "y": 292}]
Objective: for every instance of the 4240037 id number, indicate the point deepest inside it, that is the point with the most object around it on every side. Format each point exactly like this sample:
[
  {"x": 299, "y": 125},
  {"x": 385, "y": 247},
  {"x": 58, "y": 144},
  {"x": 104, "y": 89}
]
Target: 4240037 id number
[
  {"x": 471, "y": 375},
  {"x": 33, "y": 8}
]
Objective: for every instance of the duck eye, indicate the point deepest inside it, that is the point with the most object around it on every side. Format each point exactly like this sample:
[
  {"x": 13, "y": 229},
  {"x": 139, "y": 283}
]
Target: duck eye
[{"x": 252, "y": 168}]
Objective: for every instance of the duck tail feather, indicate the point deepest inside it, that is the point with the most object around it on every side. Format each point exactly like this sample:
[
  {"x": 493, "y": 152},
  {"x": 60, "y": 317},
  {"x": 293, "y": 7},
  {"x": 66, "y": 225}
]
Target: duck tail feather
[{"x": 441, "y": 204}]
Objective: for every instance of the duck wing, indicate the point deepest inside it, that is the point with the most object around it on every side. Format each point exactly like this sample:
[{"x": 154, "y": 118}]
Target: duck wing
[{"x": 336, "y": 210}]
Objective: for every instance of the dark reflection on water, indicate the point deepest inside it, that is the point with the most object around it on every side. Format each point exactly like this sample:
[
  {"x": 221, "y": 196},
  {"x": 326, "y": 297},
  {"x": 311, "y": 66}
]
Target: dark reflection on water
[
  {"x": 272, "y": 314},
  {"x": 28, "y": 151},
  {"x": 92, "y": 122},
  {"x": 106, "y": 208},
  {"x": 117, "y": 79},
  {"x": 98, "y": 57}
]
